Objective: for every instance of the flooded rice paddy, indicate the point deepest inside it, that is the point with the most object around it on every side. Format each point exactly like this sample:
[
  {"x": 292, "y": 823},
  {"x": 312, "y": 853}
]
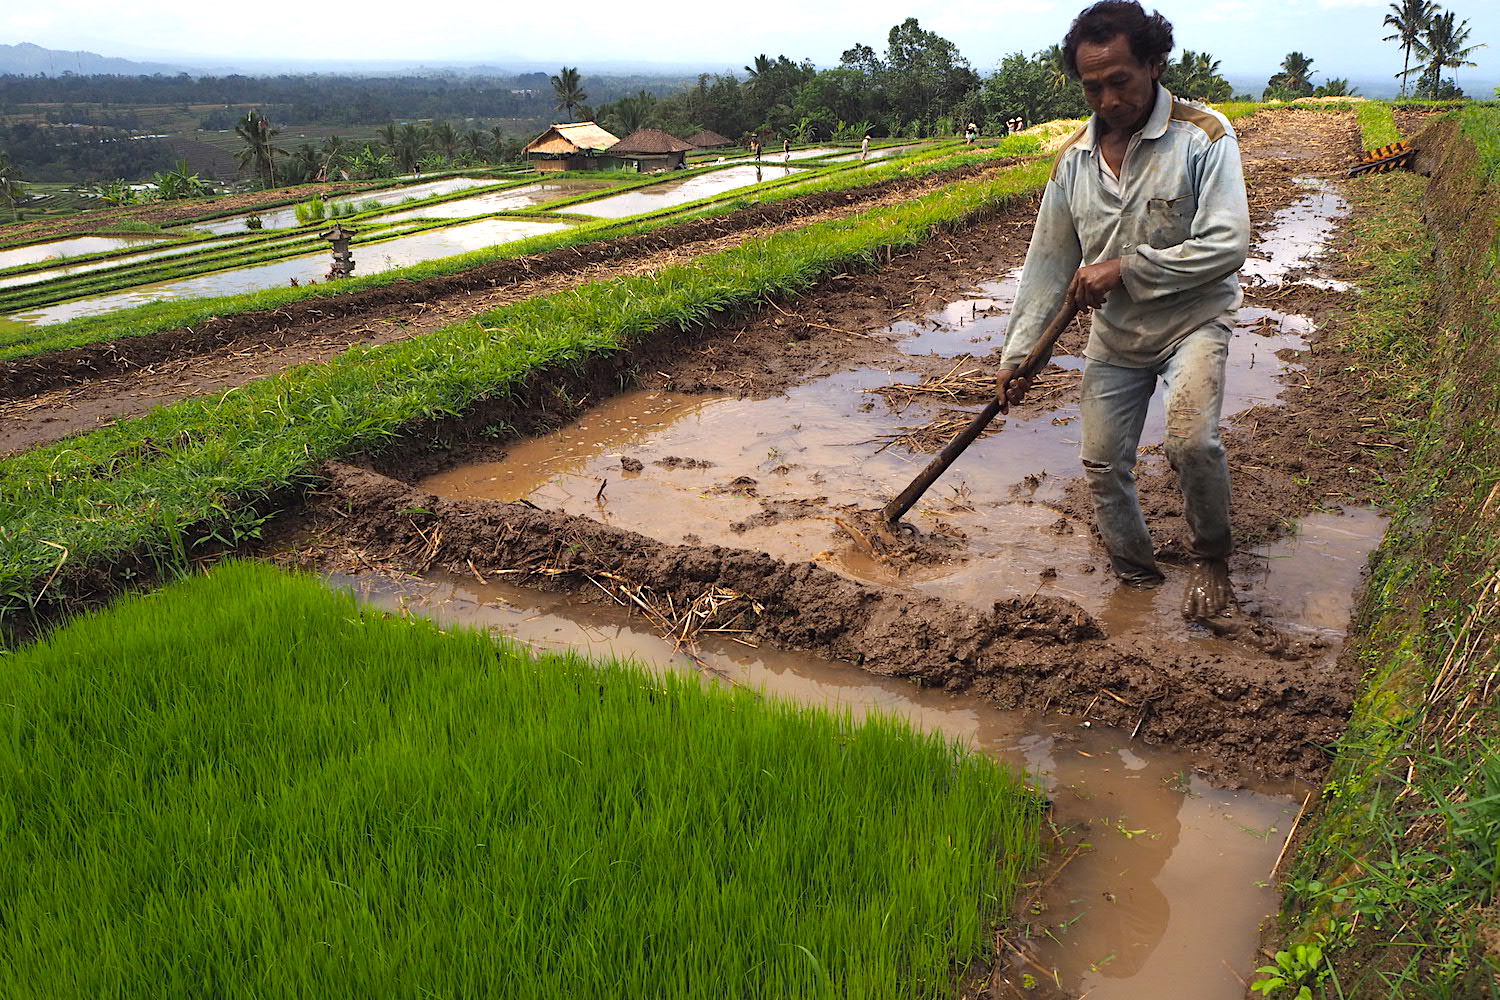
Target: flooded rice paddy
[
  {"x": 670, "y": 193},
  {"x": 509, "y": 200},
  {"x": 123, "y": 260},
  {"x": 403, "y": 251},
  {"x": 281, "y": 218},
  {"x": 78, "y": 246}
]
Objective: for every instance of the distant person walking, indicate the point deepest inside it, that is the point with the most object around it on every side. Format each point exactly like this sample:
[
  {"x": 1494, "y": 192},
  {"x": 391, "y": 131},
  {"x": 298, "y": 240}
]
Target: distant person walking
[
  {"x": 755, "y": 148},
  {"x": 971, "y": 134},
  {"x": 786, "y": 151},
  {"x": 864, "y": 147}
]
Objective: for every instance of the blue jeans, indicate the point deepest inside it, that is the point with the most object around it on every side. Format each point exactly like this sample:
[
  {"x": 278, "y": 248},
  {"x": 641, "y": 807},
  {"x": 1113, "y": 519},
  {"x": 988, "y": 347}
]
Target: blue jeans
[{"x": 1114, "y": 411}]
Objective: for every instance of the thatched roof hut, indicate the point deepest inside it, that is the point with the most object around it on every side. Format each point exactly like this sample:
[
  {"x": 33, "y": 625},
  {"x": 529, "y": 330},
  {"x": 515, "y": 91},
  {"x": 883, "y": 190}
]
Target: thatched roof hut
[
  {"x": 570, "y": 146},
  {"x": 709, "y": 139},
  {"x": 652, "y": 149}
]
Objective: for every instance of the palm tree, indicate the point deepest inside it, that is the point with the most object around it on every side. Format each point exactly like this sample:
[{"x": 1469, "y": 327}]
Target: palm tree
[
  {"x": 410, "y": 142},
  {"x": 475, "y": 143},
  {"x": 442, "y": 138},
  {"x": 1410, "y": 18},
  {"x": 1295, "y": 77},
  {"x": 1443, "y": 47},
  {"x": 760, "y": 71},
  {"x": 12, "y": 191},
  {"x": 569, "y": 88},
  {"x": 497, "y": 144},
  {"x": 390, "y": 137},
  {"x": 1056, "y": 67},
  {"x": 333, "y": 156},
  {"x": 259, "y": 152}
]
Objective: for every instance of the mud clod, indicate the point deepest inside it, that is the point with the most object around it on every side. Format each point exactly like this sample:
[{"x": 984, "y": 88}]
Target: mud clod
[
  {"x": 631, "y": 464},
  {"x": 674, "y": 462}
]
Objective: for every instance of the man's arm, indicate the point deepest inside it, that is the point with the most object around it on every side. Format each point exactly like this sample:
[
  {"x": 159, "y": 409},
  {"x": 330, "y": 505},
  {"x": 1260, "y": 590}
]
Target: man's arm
[
  {"x": 1051, "y": 262},
  {"x": 1220, "y": 233}
]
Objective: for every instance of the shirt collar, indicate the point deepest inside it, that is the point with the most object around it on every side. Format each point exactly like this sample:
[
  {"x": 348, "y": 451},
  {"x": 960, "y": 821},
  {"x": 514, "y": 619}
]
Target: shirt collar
[{"x": 1155, "y": 127}]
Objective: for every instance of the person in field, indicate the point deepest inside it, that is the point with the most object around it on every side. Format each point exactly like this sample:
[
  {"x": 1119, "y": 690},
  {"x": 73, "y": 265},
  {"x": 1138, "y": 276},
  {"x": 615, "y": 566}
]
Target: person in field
[
  {"x": 1144, "y": 221},
  {"x": 864, "y": 147}
]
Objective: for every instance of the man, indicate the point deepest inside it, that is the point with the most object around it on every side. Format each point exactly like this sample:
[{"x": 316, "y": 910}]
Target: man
[{"x": 1144, "y": 220}]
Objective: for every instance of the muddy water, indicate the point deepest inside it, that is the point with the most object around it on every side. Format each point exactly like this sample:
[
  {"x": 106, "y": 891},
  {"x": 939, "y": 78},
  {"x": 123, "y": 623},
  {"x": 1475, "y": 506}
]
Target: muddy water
[
  {"x": 1297, "y": 238},
  {"x": 1170, "y": 891},
  {"x": 280, "y": 218},
  {"x": 876, "y": 154},
  {"x": 79, "y": 246},
  {"x": 500, "y": 201},
  {"x": 666, "y": 194},
  {"x": 373, "y": 258}
]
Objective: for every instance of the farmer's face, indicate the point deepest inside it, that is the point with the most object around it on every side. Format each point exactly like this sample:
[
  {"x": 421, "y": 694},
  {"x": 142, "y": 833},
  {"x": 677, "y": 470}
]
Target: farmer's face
[{"x": 1120, "y": 88}]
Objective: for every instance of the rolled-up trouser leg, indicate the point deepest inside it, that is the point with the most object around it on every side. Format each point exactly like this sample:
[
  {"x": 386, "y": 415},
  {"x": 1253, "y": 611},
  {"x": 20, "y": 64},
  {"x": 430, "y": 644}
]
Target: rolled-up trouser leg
[
  {"x": 1194, "y": 379},
  {"x": 1114, "y": 411}
]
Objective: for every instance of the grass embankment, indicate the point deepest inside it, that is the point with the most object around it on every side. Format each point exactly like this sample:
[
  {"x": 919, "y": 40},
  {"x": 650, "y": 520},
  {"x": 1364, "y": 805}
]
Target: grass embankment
[
  {"x": 1377, "y": 125},
  {"x": 160, "y": 485},
  {"x": 1396, "y": 883},
  {"x": 155, "y": 317},
  {"x": 247, "y": 786}
]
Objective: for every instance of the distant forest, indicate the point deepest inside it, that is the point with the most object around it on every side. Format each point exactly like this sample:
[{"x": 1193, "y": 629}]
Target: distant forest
[{"x": 309, "y": 99}]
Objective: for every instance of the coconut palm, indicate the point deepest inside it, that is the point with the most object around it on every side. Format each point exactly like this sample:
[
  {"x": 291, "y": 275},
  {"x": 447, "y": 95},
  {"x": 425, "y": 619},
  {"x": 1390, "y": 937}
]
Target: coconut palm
[
  {"x": 475, "y": 144},
  {"x": 442, "y": 138},
  {"x": 12, "y": 191},
  {"x": 1442, "y": 47},
  {"x": 498, "y": 144},
  {"x": 260, "y": 152},
  {"x": 1056, "y": 67},
  {"x": 411, "y": 141},
  {"x": 568, "y": 86},
  {"x": 1295, "y": 78},
  {"x": 333, "y": 156},
  {"x": 1410, "y": 18}
]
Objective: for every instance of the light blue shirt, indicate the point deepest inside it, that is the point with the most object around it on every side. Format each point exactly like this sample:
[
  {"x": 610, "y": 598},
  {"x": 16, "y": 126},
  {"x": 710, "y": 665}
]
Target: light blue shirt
[{"x": 1180, "y": 225}]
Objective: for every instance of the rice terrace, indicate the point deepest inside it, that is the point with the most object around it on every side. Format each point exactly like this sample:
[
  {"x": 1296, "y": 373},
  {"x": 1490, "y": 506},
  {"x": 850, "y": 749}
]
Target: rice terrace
[{"x": 453, "y": 540}]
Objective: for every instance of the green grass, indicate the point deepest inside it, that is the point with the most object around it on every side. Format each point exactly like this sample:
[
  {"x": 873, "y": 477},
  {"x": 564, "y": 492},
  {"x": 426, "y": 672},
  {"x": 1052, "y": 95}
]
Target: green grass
[
  {"x": 1398, "y": 879},
  {"x": 247, "y": 786},
  {"x": 138, "y": 485},
  {"x": 144, "y": 320},
  {"x": 1377, "y": 126},
  {"x": 1482, "y": 126}
]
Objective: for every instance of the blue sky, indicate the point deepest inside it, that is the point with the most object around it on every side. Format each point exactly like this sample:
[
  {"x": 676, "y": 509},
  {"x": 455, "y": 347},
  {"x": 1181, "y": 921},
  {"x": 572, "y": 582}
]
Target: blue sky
[{"x": 1342, "y": 36}]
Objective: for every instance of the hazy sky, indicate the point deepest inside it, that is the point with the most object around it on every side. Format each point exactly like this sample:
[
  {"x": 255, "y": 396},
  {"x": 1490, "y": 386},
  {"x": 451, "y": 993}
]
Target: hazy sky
[{"x": 1342, "y": 36}]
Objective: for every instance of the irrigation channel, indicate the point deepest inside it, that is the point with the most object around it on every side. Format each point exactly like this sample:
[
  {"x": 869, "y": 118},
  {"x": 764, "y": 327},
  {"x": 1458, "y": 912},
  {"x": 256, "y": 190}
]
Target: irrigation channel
[{"x": 734, "y": 477}]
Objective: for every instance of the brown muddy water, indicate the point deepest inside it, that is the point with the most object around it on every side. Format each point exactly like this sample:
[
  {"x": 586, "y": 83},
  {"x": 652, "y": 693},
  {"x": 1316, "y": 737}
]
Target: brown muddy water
[
  {"x": 666, "y": 194},
  {"x": 1168, "y": 897},
  {"x": 1165, "y": 900}
]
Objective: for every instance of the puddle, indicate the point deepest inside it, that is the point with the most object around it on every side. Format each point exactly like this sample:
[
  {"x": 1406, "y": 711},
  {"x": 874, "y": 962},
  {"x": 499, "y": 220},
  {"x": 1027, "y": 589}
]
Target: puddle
[
  {"x": 819, "y": 442},
  {"x": 1168, "y": 901},
  {"x": 402, "y": 251},
  {"x": 500, "y": 201},
  {"x": 773, "y": 154},
  {"x": 79, "y": 246},
  {"x": 1296, "y": 238},
  {"x": 968, "y": 326},
  {"x": 281, "y": 218},
  {"x": 666, "y": 194}
]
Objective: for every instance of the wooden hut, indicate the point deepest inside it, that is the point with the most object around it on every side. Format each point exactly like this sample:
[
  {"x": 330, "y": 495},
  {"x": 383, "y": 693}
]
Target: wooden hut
[
  {"x": 651, "y": 149},
  {"x": 709, "y": 139},
  {"x": 571, "y": 146}
]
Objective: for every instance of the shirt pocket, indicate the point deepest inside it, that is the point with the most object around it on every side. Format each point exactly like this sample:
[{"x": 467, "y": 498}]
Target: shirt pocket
[{"x": 1169, "y": 221}]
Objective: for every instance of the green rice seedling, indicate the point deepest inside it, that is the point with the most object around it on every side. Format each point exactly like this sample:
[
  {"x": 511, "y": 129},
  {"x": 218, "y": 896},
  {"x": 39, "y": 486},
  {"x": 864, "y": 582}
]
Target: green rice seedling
[
  {"x": 312, "y": 210},
  {"x": 1377, "y": 126},
  {"x": 245, "y": 785}
]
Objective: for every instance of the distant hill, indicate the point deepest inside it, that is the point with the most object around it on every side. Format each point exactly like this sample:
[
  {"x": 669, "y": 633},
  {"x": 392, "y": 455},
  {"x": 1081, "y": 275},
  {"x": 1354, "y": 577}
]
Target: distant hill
[{"x": 27, "y": 59}]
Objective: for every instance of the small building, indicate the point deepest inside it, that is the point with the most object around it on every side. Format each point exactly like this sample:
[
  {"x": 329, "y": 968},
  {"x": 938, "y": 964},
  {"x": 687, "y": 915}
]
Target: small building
[
  {"x": 651, "y": 149},
  {"x": 571, "y": 146},
  {"x": 709, "y": 139}
]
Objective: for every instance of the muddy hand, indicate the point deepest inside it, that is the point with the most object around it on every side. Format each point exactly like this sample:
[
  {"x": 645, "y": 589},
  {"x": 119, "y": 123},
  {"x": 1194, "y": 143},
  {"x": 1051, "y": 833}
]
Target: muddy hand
[
  {"x": 1010, "y": 388},
  {"x": 1208, "y": 590},
  {"x": 1092, "y": 284}
]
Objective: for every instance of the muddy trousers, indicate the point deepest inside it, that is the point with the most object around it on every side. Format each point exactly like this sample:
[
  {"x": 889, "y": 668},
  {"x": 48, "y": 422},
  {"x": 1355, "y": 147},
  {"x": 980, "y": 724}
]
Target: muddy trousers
[{"x": 1115, "y": 401}]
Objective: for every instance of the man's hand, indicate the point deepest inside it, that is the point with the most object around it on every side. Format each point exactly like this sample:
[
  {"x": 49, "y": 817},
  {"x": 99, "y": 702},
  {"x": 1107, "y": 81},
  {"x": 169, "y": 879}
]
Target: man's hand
[
  {"x": 1010, "y": 389},
  {"x": 1093, "y": 283}
]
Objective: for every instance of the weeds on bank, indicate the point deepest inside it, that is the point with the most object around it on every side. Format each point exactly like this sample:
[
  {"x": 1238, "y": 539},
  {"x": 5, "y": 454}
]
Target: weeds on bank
[
  {"x": 245, "y": 785},
  {"x": 1397, "y": 882}
]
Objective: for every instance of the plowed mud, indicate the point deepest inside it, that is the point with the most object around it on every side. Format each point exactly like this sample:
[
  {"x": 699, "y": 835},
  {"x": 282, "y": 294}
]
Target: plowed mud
[
  {"x": 52, "y": 395},
  {"x": 1248, "y": 714}
]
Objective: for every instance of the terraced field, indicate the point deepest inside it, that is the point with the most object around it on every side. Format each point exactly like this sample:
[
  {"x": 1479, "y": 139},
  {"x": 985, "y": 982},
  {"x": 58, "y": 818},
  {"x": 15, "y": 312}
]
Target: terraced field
[{"x": 656, "y": 437}]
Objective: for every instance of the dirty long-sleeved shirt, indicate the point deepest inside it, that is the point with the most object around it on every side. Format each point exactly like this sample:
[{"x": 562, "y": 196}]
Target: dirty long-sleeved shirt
[{"x": 1180, "y": 226}]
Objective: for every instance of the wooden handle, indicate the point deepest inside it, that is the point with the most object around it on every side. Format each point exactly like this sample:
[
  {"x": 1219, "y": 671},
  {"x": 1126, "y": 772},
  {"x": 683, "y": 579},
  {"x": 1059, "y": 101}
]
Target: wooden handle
[{"x": 902, "y": 502}]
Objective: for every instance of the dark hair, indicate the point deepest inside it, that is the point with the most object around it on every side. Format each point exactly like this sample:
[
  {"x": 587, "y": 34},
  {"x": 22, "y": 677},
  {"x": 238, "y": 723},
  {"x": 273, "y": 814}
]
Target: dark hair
[{"x": 1150, "y": 36}]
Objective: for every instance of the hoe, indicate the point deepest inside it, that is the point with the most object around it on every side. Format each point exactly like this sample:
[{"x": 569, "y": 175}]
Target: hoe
[{"x": 890, "y": 515}]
